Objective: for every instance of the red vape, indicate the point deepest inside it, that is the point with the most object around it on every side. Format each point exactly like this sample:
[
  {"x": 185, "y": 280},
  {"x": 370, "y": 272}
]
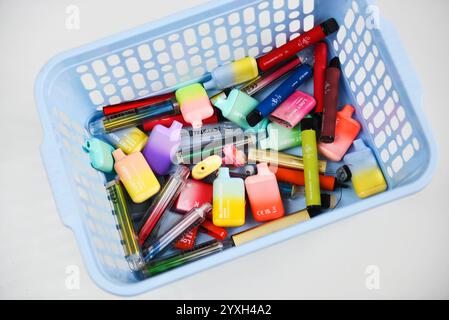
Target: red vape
[
  {"x": 294, "y": 46},
  {"x": 146, "y": 102},
  {"x": 187, "y": 242},
  {"x": 319, "y": 74},
  {"x": 331, "y": 88},
  {"x": 193, "y": 195},
  {"x": 168, "y": 120},
  {"x": 214, "y": 231}
]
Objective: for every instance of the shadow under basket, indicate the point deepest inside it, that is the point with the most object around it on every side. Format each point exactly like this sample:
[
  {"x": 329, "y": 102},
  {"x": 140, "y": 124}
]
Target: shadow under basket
[{"x": 158, "y": 57}]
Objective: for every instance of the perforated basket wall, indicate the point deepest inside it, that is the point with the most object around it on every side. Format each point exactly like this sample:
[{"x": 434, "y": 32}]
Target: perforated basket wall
[{"x": 181, "y": 49}]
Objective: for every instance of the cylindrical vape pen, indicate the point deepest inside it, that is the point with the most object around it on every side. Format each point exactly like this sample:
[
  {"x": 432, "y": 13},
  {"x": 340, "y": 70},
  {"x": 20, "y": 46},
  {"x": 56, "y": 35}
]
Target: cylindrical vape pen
[
  {"x": 125, "y": 226},
  {"x": 311, "y": 172},
  {"x": 134, "y": 117},
  {"x": 296, "y": 45},
  {"x": 279, "y": 95},
  {"x": 272, "y": 227},
  {"x": 190, "y": 221},
  {"x": 319, "y": 75},
  {"x": 331, "y": 89},
  {"x": 136, "y": 104},
  {"x": 280, "y": 159},
  {"x": 163, "y": 201},
  {"x": 179, "y": 259}
]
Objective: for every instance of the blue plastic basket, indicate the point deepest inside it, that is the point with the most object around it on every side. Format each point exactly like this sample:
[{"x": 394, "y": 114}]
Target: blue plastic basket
[{"x": 378, "y": 81}]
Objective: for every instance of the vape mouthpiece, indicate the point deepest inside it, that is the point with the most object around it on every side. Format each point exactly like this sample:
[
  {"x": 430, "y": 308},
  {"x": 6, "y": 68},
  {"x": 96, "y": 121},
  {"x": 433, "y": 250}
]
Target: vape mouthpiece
[
  {"x": 330, "y": 26},
  {"x": 335, "y": 63}
]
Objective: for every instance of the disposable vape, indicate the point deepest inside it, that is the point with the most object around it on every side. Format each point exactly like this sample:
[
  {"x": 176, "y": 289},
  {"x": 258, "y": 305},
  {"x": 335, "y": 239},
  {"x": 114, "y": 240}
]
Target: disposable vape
[
  {"x": 293, "y": 110},
  {"x": 187, "y": 241},
  {"x": 331, "y": 88},
  {"x": 190, "y": 221},
  {"x": 367, "y": 178},
  {"x": 243, "y": 172},
  {"x": 228, "y": 200},
  {"x": 100, "y": 154},
  {"x": 136, "y": 175},
  {"x": 319, "y": 75},
  {"x": 279, "y": 159},
  {"x": 239, "y": 102},
  {"x": 311, "y": 171},
  {"x": 281, "y": 138},
  {"x": 133, "y": 117},
  {"x": 346, "y": 131},
  {"x": 125, "y": 226},
  {"x": 167, "y": 121},
  {"x": 264, "y": 196},
  {"x": 328, "y": 201},
  {"x": 280, "y": 94},
  {"x": 206, "y": 167},
  {"x": 136, "y": 104},
  {"x": 179, "y": 259},
  {"x": 271, "y": 227},
  {"x": 162, "y": 203},
  {"x": 294, "y": 46},
  {"x": 296, "y": 177},
  {"x": 193, "y": 195},
  {"x": 129, "y": 140},
  {"x": 214, "y": 231},
  {"x": 194, "y": 104},
  {"x": 161, "y": 148},
  {"x": 233, "y": 73}
]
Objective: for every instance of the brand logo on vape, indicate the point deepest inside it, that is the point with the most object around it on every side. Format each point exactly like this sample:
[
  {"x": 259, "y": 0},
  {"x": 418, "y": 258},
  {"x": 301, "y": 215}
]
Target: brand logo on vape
[
  {"x": 372, "y": 14},
  {"x": 276, "y": 100},
  {"x": 372, "y": 281},
  {"x": 72, "y": 281},
  {"x": 72, "y": 21}
]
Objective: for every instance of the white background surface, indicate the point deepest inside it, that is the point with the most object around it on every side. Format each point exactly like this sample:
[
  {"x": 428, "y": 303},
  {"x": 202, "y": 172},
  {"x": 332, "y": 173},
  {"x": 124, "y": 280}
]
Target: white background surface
[{"x": 408, "y": 239}]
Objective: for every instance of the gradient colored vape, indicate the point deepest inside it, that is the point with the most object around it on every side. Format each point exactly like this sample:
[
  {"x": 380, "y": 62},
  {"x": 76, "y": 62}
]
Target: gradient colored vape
[
  {"x": 194, "y": 103},
  {"x": 228, "y": 200},
  {"x": 294, "y": 46},
  {"x": 233, "y": 73},
  {"x": 136, "y": 104},
  {"x": 167, "y": 121},
  {"x": 264, "y": 196},
  {"x": 193, "y": 195},
  {"x": 296, "y": 177},
  {"x": 319, "y": 75},
  {"x": 161, "y": 148},
  {"x": 311, "y": 171},
  {"x": 367, "y": 178},
  {"x": 293, "y": 110},
  {"x": 280, "y": 94},
  {"x": 281, "y": 138},
  {"x": 136, "y": 175},
  {"x": 331, "y": 88},
  {"x": 129, "y": 140},
  {"x": 346, "y": 131},
  {"x": 100, "y": 154}
]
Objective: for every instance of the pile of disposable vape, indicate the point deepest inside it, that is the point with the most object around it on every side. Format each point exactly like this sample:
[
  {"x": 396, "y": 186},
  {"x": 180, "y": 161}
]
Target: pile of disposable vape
[{"x": 217, "y": 155}]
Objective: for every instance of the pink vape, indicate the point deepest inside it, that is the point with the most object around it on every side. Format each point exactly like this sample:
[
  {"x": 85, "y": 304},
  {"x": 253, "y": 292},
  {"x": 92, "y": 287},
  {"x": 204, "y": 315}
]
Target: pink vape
[{"x": 293, "y": 110}]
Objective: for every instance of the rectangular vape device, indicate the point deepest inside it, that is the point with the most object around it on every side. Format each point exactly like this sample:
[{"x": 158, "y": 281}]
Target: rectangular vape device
[
  {"x": 228, "y": 200},
  {"x": 293, "y": 110},
  {"x": 193, "y": 195}
]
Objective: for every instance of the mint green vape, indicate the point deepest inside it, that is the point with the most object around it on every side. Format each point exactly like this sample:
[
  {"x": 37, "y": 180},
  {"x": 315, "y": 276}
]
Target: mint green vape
[
  {"x": 236, "y": 108},
  {"x": 281, "y": 138}
]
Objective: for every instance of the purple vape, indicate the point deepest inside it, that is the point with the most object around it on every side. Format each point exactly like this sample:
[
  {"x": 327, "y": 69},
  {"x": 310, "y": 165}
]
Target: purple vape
[{"x": 161, "y": 147}]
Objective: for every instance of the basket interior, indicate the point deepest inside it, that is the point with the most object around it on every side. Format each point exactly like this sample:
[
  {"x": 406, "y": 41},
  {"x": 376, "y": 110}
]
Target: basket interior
[{"x": 184, "y": 50}]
